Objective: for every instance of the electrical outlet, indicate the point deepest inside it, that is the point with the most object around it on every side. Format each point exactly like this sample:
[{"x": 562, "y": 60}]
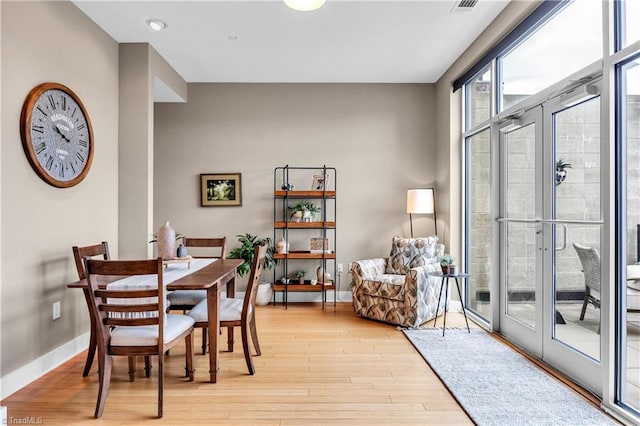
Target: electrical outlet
[
  {"x": 340, "y": 265},
  {"x": 56, "y": 310}
]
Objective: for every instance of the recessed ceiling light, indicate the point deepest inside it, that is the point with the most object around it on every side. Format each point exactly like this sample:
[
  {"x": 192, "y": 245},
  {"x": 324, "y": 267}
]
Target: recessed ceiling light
[
  {"x": 156, "y": 24},
  {"x": 304, "y": 5}
]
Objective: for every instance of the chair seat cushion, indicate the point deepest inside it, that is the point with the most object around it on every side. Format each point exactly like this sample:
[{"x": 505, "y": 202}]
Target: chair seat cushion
[
  {"x": 147, "y": 335},
  {"x": 387, "y": 286},
  {"x": 186, "y": 297},
  {"x": 230, "y": 310}
]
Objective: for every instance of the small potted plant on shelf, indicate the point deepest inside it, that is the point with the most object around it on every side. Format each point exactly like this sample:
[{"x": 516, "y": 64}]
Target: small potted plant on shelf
[
  {"x": 245, "y": 252},
  {"x": 304, "y": 211},
  {"x": 300, "y": 276},
  {"x": 446, "y": 262}
]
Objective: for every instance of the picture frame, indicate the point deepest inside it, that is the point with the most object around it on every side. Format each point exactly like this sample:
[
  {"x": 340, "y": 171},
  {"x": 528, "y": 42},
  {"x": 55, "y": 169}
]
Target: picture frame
[
  {"x": 220, "y": 189},
  {"x": 320, "y": 183},
  {"x": 319, "y": 245}
]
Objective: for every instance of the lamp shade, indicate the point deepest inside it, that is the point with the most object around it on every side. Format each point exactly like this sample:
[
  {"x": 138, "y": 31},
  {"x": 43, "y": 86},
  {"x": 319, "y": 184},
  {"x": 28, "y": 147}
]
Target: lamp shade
[
  {"x": 304, "y": 5},
  {"x": 420, "y": 201}
]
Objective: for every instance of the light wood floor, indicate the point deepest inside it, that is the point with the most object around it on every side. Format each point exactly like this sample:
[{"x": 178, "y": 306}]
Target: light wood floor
[{"x": 317, "y": 368}]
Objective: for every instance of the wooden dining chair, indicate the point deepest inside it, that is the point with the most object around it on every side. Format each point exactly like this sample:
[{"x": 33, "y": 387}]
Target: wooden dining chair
[
  {"x": 132, "y": 321},
  {"x": 185, "y": 300},
  {"x": 79, "y": 254},
  {"x": 239, "y": 312}
]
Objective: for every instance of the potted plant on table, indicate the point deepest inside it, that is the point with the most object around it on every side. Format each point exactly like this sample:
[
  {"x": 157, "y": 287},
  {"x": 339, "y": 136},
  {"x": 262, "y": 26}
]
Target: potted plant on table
[
  {"x": 300, "y": 276},
  {"x": 245, "y": 252},
  {"x": 446, "y": 262}
]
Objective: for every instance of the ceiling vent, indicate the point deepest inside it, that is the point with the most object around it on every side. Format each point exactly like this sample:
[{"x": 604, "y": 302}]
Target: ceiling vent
[{"x": 464, "y": 6}]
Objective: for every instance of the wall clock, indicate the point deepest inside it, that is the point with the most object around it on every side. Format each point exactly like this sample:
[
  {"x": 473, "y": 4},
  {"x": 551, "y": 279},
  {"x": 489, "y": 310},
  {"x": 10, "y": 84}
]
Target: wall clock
[{"x": 56, "y": 134}]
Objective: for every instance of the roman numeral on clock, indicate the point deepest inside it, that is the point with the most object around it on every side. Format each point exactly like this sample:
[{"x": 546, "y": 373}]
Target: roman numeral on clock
[
  {"x": 40, "y": 148},
  {"x": 52, "y": 102},
  {"x": 80, "y": 127},
  {"x": 80, "y": 157},
  {"x": 49, "y": 163},
  {"x": 39, "y": 129}
]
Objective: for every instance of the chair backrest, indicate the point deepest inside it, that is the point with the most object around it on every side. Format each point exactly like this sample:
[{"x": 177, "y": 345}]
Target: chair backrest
[
  {"x": 590, "y": 259},
  {"x": 117, "y": 307},
  {"x": 80, "y": 253},
  {"x": 208, "y": 243},
  {"x": 257, "y": 266}
]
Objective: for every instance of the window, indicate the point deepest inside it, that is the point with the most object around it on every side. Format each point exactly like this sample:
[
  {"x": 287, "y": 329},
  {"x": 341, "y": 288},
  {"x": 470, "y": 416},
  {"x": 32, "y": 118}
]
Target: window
[
  {"x": 629, "y": 25},
  {"x": 478, "y": 99},
  {"x": 567, "y": 43}
]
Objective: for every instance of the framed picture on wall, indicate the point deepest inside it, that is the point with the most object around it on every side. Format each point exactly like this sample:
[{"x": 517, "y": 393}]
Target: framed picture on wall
[{"x": 220, "y": 190}]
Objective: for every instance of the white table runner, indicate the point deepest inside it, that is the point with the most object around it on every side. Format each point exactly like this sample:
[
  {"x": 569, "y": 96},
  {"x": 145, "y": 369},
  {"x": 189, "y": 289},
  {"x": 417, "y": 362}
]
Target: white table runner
[{"x": 173, "y": 272}]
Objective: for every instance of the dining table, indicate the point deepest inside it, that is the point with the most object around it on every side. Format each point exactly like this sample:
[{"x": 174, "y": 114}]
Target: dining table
[{"x": 212, "y": 277}]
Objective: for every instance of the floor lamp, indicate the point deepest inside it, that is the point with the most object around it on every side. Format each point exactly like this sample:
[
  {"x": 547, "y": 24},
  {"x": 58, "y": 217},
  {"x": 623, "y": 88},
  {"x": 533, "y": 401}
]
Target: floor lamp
[{"x": 422, "y": 201}]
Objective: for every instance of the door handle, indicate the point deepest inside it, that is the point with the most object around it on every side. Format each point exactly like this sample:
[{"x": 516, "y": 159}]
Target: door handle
[{"x": 564, "y": 237}]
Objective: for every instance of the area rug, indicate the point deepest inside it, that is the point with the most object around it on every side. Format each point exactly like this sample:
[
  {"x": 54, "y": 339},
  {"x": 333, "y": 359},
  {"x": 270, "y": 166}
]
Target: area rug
[{"x": 497, "y": 386}]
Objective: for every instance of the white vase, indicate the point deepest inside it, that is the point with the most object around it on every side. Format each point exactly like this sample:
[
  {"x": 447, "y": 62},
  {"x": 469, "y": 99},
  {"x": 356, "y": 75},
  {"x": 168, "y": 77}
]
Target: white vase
[
  {"x": 281, "y": 246},
  {"x": 264, "y": 294},
  {"x": 323, "y": 277},
  {"x": 166, "y": 241}
]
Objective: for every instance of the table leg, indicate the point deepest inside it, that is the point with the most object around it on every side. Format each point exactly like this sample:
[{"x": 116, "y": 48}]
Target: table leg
[
  {"x": 231, "y": 292},
  {"x": 93, "y": 342},
  {"x": 213, "y": 329},
  {"x": 462, "y": 303},
  {"x": 435, "y": 321},
  {"x": 446, "y": 299}
]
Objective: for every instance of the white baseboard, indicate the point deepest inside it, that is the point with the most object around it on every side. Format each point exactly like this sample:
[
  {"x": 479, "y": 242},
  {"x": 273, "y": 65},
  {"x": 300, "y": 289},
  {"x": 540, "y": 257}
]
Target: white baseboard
[
  {"x": 37, "y": 368},
  {"x": 294, "y": 296}
]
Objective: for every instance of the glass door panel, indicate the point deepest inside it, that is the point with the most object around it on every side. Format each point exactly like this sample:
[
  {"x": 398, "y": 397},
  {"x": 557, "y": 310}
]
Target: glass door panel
[
  {"x": 629, "y": 287},
  {"x": 572, "y": 216},
  {"x": 520, "y": 182},
  {"x": 479, "y": 223}
]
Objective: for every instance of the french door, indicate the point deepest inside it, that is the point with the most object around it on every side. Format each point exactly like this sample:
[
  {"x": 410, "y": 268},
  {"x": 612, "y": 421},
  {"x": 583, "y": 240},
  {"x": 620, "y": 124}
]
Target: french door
[{"x": 550, "y": 225}]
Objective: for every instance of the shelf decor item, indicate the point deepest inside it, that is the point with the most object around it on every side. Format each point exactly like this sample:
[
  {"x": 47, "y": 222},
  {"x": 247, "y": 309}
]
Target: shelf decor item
[
  {"x": 282, "y": 246},
  {"x": 220, "y": 190},
  {"x": 300, "y": 276},
  {"x": 319, "y": 245},
  {"x": 320, "y": 182}
]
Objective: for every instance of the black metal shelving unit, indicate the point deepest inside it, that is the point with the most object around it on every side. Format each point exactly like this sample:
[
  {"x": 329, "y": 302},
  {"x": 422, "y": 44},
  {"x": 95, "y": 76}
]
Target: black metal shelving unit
[{"x": 285, "y": 180}]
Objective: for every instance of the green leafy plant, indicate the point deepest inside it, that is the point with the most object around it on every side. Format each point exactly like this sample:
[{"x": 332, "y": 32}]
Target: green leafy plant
[
  {"x": 245, "y": 252},
  {"x": 301, "y": 274},
  {"x": 154, "y": 237},
  {"x": 561, "y": 165},
  {"x": 302, "y": 206},
  {"x": 446, "y": 260}
]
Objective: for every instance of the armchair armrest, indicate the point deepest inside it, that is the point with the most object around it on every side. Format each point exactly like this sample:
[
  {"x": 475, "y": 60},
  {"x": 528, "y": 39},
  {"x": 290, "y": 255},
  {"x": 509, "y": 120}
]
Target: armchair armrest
[
  {"x": 421, "y": 293},
  {"x": 363, "y": 269}
]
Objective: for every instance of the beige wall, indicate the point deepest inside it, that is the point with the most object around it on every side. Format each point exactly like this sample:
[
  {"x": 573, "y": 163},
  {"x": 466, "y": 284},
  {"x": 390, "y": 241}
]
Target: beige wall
[
  {"x": 40, "y": 223},
  {"x": 140, "y": 66},
  {"x": 380, "y": 137}
]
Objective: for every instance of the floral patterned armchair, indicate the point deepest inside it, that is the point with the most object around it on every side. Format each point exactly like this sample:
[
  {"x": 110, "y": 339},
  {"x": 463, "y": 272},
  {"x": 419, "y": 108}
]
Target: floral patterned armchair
[{"x": 398, "y": 289}]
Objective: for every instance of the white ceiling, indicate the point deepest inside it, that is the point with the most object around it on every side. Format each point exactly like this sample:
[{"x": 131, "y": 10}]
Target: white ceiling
[{"x": 346, "y": 41}]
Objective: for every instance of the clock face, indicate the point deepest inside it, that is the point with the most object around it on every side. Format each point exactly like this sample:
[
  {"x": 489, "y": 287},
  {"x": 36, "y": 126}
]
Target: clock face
[{"x": 56, "y": 135}]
